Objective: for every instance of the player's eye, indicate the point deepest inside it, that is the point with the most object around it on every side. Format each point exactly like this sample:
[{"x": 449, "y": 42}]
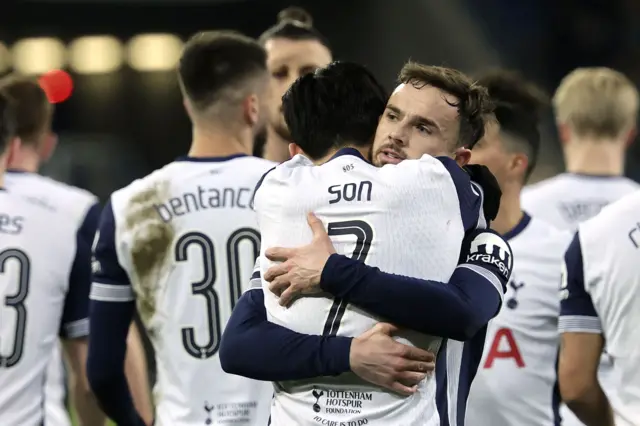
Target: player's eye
[
  {"x": 423, "y": 129},
  {"x": 280, "y": 74},
  {"x": 391, "y": 116}
]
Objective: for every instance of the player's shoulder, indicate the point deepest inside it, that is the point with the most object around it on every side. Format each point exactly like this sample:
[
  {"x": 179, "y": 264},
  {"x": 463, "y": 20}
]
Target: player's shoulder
[
  {"x": 541, "y": 239},
  {"x": 542, "y": 189},
  {"x": 619, "y": 214},
  {"x": 283, "y": 174},
  {"x": 71, "y": 201}
]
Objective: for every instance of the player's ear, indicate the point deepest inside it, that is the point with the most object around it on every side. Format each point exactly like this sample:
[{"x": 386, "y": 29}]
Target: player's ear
[
  {"x": 520, "y": 163},
  {"x": 251, "y": 108},
  {"x": 13, "y": 149},
  {"x": 48, "y": 146},
  {"x": 462, "y": 156},
  {"x": 564, "y": 133},
  {"x": 631, "y": 136},
  {"x": 294, "y": 150}
]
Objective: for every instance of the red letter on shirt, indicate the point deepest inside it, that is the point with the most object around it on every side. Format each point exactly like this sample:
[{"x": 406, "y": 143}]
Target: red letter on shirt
[{"x": 512, "y": 350}]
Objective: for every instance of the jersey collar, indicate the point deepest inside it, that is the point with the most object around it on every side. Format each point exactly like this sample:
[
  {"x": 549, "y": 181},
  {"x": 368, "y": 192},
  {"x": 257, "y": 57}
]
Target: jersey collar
[
  {"x": 18, "y": 171},
  {"x": 518, "y": 228},
  {"x": 348, "y": 151},
  {"x": 596, "y": 177},
  {"x": 209, "y": 159}
]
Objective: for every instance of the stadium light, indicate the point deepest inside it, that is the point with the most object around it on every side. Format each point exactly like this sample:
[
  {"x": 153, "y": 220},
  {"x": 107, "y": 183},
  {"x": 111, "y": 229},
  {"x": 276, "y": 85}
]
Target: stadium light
[
  {"x": 5, "y": 58},
  {"x": 154, "y": 52},
  {"x": 95, "y": 54},
  {"x": 38, "y": 55}
]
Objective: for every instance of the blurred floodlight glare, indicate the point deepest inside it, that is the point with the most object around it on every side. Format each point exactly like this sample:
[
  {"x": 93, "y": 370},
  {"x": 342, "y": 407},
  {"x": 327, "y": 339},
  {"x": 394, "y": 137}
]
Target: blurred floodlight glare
[
  {"x": 5, "y": 58},
  {"x": 154, "y": 52},
  {"x": 95, "y": 54},
  {"x": 38, "y": 55}
]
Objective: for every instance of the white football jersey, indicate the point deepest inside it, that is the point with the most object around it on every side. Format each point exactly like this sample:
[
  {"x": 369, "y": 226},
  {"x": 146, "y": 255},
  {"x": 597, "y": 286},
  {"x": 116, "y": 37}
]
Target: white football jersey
[
  {"x": 44, "y": 286},
  {"x": 516, "y": 380},
  {"x": 564, "y": 201},
  {"x": 183, "y": 242},
  {"x": 78, "y": 203},
  {"x": 567, "y": 199},
  {"x": 404, "y": 219},
  {"x": 601, "y": 294}
]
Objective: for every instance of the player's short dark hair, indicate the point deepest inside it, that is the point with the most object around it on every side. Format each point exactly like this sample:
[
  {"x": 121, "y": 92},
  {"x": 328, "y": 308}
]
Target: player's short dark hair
[
  {"x": 216, "y": 62},
  {"x": 33, "y": 111},
  {"x": 334, "y": 106},
  {"x": 7, "y": 121},
  {"x": 519, "y": 105},
  {"x": 473, "y": 103},
  {"x": 294, "y": 23}
]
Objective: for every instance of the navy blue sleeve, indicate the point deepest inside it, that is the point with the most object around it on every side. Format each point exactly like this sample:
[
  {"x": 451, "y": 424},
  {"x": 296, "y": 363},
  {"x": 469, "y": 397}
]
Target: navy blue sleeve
[
  {"x": 111, "y": 311},
  {"x": 90, "y": 223},
  {"x": 577, "y": 313},
  {"x": 284, "y": 354},
  {"x": 75, "y": 315},
  {"x": 457, "y": 309},
  {"x": 470, "y": 195}
]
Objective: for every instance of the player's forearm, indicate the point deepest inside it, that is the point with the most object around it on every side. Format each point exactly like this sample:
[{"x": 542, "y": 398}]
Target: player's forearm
[
  {"x": 592, "y": 407},
  {"x": 86, "y": 405},
  {"x": 109, "y": 327},
  {"x": 137, "y": 374},
  {"x": 456, "y": 310},
  {"x": 282, "y": 353}
]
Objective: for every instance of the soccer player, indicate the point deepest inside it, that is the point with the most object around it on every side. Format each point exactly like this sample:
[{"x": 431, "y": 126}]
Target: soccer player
[
  {"x": 516, "y": 381},
  {"x": 180, "y": 242},
  {"x": 44, "y": 285},
  {"x": 596, "y": 111},
  {"x": 359, "y": 201},
  {"x": 34, "y": 116},
  {"x": 601, "y": 297},
  {"x": 294, "y": 48}
]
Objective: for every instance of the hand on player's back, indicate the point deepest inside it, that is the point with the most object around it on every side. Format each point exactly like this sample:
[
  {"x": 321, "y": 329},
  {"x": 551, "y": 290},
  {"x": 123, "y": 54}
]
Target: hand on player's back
[
  {"x": 301, "y": 268},
  {"x": 378, "y": 358}
]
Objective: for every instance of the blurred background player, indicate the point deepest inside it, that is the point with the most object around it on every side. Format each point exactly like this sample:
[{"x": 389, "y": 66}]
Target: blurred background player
[
  {"x": 189, "y": 222},
  {"x": 318, "y": 111},
  {"x": 45, "y": 278},
  {"x": 596, "y": 111},
  {"x": 34, "y": 116},
  {"x": 294, "y": 48},
  {"x": 600, "y": 296},
  {"x": 521, "y": 346}
]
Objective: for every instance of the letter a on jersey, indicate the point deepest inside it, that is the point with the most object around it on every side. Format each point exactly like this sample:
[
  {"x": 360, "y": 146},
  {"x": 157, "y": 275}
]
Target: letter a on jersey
[{"x": 507, "y": 350}]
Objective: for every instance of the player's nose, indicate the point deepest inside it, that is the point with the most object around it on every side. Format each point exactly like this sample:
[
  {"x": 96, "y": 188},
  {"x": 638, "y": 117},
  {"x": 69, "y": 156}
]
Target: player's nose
[{"x": 399, "y": 138}]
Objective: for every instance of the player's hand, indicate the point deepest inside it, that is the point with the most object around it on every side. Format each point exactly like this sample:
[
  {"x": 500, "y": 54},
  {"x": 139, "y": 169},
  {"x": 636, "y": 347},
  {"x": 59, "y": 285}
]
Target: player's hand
[
  {"x": 301, "y": 268},
  {"x": 377, "y": 358}
]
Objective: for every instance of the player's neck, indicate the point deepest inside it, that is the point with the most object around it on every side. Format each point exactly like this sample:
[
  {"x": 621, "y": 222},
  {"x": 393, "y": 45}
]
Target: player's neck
[
  {"x": 26, "y": 159},
  {"x": 364, "y": 151},
  {"x": 600, "y": 158},
  {"x": 510, "y": 213},
  {"x": 277, "y": 148},
  {"x": 211, "y": 142}
]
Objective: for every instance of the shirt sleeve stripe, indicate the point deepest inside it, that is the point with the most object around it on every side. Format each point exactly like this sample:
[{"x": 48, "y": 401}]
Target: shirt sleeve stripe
[
  {"x": 579, "y": 324},
  {"x": 111, "y": 293},
  {"x": 76, "y": 329},
  {"x": 482, "y": 221},
  {"x": 489, "y": 276}
]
